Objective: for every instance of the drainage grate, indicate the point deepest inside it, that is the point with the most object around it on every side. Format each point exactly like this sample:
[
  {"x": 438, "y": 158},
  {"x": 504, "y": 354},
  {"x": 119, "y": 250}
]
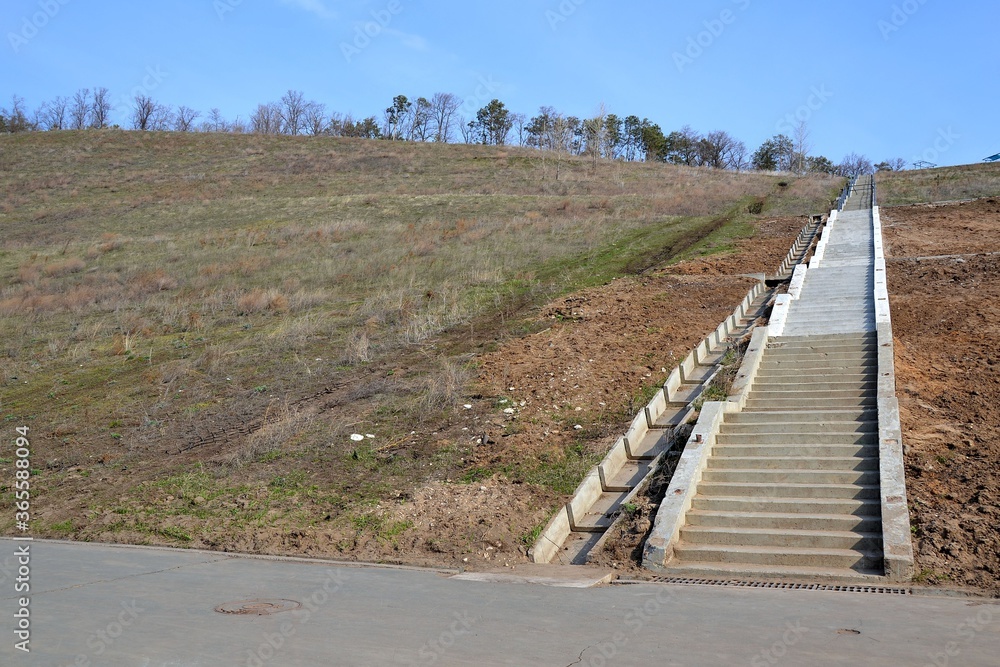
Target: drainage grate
[
  {"x": 258, "y": 607},
  {"x": 835, "y": 588}
]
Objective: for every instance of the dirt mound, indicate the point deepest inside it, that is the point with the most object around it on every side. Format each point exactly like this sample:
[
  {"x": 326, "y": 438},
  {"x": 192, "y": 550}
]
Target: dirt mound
[{"x": 947, "y": 326}]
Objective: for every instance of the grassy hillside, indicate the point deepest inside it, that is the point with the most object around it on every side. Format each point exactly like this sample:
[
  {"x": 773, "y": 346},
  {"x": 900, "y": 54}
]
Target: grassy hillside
[
  {"x": 171, "y": 300},
  {"x": 939, "y": 185}
]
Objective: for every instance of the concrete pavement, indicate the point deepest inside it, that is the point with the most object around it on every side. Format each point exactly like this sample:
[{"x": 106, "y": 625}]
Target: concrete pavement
[{"x": 106, "y": 605}]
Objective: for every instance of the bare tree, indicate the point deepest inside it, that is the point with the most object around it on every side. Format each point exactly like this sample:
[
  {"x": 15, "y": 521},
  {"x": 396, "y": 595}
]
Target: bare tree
[
  {"x": 520, "y": 127},
  {"x": 17, "y": 120},
  {"x": 185, "y": 118},
  {"x": 79, "y": 110},
  {"x": 53, "y": 114},
  {"x": 143, "y": 108},
  {"x": 854, "y": 164},
  {"x": 800, "y": 137},
  {"x": 895, "y": 164},
  {"x": 315, "y": 119},
  {"x": 713, "y": 148},
  {"x": 215, "y": 122},
  {"x": 468, "y": 130},
  {"x": 100, "y": 108},
  {"x": 293, "y": 109},
  {"x": 443, "y": 107},
  {"x": 163, "y": 118},
  {"x": 237, "y": 126},
  {"x": 736, "y": 156},
  {"x": 266, "y": 119}
]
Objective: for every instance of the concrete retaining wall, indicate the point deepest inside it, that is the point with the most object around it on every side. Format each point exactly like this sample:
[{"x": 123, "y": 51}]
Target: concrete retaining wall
[
  {"x": 670, "y": 517},
  {"x": 896, "y": 539}
]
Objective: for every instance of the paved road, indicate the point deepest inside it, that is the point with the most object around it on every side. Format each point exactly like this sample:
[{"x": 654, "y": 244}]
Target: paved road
[{"x": 103, "y": 605}]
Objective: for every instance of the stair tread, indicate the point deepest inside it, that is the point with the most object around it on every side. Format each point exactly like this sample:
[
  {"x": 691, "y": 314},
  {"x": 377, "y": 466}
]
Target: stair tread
[
  {"x": 810, "y": 516},
  {"x": 805, "y": 532},
  {"x": 783, "y": 551},
  {"x": 788, "y": 485},
  {"x": 739, "y": 570}
]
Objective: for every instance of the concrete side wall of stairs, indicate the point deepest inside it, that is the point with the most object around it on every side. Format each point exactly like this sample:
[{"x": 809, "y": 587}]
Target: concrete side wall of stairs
[{"x": 580, "y": 526}]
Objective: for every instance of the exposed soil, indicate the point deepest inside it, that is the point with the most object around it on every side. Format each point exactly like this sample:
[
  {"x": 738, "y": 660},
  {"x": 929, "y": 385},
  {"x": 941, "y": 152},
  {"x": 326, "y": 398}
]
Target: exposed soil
[{"x": 946, "y": 322}]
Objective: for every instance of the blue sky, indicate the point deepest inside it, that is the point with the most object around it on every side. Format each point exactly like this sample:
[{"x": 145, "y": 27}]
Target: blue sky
[{"x": 915, "y": 79}]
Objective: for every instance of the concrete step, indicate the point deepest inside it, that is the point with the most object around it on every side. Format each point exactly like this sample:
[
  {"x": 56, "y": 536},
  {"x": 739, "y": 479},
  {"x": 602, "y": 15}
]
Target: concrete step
[
  {"x": 864, "y": 385},
  {"x": 778, "y": 350},
  {"x": 809, "y": 404},
  {"x": 598, "y": 517},
  {"x": 862, "y": 370},
  {"x": 576, "y": 548},
  {"x": 787, "y": 490},
  {"x": 848, "y": 559},
  {"x": 779, "y": 394},
  {"x": 786, "y": 521},
  {"x": 858, "y": 376},
  {"x": 805, "y": 439},
  {"x": 811, "y": 328},
  {"x": 796, "y": 450},
  {"x": 831, "y": 319},
  {"x": 783, "y": 538},
  {"x": 816, "y": 427},
  {"x": 649, "y": 447},
  {"x": 744, "y": 571},
  {"x": 839, "y": 506},
  {"x": 813, "y": 340},
  {"x": 628, "y": 477},
  {"x": 792, "y": 357},
  {"x": 861, "y": 314},
  {"x": 699, "y": 375},
  {"x": 818, "y": 416},
  {"x": 686, "y": 393},
  {"x": 793, "y": 463},
  {"x": 782, "y": 476}
]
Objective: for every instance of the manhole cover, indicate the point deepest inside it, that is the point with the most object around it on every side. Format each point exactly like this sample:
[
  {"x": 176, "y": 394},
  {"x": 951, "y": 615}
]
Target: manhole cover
[{"x": 262, "y": 607}]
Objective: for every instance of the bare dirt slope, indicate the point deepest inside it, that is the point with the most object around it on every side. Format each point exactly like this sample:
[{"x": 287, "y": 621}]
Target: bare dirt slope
[{"x": 946, "y": 321}]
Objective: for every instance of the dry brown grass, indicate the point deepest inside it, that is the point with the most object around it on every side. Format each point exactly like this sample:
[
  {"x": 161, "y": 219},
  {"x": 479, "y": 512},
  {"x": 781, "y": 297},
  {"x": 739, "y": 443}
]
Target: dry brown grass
[
  {"x": 260, "y": 300},
  {"x": 64, "y": 267}
]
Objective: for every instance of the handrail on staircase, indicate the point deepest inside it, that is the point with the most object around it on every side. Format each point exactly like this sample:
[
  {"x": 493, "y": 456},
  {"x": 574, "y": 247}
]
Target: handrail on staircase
[{"x": 846, "y": 194}]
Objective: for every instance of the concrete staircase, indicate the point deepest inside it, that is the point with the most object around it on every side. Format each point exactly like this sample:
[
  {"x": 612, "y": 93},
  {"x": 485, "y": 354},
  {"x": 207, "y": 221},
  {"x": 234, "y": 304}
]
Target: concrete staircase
[
  {"x": 583, "y": 525},
  {"x": 792, "y": 484}
]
